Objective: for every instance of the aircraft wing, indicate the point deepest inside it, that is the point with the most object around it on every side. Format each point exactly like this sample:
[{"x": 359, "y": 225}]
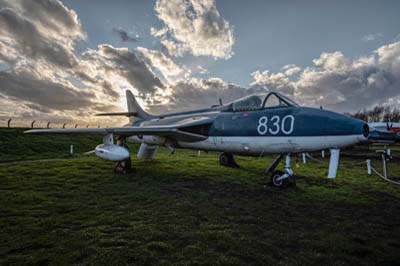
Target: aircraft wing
[{"x": 178, "y": 132}]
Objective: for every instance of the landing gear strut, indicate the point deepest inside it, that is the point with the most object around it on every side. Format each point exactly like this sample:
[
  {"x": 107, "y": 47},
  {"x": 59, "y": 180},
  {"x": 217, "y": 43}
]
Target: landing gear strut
[
  {"x": 278, "y": 178},
  {"x": 123, "y": 167},
  {"x": 227, "y": 160}
]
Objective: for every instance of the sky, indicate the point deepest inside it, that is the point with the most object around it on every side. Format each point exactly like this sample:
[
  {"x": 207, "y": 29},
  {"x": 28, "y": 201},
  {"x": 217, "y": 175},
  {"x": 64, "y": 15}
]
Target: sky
[{"x": 64, "y": 61}]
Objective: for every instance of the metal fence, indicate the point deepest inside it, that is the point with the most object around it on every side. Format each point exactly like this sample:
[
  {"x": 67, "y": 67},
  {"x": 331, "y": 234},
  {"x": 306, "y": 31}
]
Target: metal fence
[{"x": 17, "y": 123}]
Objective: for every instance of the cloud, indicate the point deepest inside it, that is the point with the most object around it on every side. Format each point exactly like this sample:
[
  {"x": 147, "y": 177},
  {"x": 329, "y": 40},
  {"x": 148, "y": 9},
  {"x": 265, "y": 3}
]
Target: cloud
[
  {"x": 158, "y": 60},
  {"x": 371, "y": 37},
  {"x": 277, "y": 82},
  {"x": 26, "y": 38},
  {"x": 291, "y": 69},
  {"x": 193, "y": 93},
  {"x": 194, "y": 26},
  {"x": 123, "y": 35},
  {"x": 123, "y": 64},
  {"x": 340, "y": 83},
  {"x": 43, "y": 93}
]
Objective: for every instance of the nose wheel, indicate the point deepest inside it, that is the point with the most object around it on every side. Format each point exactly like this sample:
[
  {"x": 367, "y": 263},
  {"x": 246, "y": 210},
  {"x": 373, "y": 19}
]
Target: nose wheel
[{"x": 281, "y": 179}]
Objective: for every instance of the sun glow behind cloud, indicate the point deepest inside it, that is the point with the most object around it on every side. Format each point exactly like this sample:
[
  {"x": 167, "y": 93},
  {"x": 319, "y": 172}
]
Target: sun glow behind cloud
[{"x": 43, "y": 77}]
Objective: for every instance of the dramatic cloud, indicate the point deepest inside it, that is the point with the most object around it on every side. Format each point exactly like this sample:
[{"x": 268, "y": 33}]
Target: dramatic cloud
[
  {"x": 41, "y": 74},
  {"x": 123, "y": 35},
  {"x": 27, "y": 31},
  {"x": 45, "y": 94},
  {"x": 277, "y": 82},
  {"x": 158, "y": 60},
  {"x": 194, "y": 26},
  {"x": 193, "y": 93},
  {"x": 342, "y": 84},
  {"x": 120, "y": 62}
]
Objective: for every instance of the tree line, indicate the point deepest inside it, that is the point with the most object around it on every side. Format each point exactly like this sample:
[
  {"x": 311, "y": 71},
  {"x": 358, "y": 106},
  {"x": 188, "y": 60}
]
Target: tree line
[{"x": 379, "y": 113}]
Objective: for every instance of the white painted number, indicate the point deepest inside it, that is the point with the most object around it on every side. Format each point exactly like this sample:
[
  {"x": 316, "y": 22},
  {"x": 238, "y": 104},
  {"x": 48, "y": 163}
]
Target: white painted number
[
  {"x": 275, "y": 119},
  {"x": 286, "y": 126},
  {"x": 262, "y": 125},
  {"x": 290, "y": 130}
]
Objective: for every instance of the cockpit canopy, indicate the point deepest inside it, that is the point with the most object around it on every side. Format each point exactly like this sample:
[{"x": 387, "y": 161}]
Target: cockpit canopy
[{"x": 261, "y": 101}]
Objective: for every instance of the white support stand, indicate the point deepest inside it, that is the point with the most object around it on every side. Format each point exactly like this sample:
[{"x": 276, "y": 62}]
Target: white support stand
[
  {"x": 369, "y": 170},
  {"x": 333, "y": 163},
  {"x": 303, "y": 155},
  {"x": 71, "y": 150},
  {"x": 323, "y": 154}
]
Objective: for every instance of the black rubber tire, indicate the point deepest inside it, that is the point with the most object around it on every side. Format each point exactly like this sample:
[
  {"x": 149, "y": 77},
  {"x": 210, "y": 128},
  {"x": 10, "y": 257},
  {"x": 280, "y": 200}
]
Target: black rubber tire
[
  {"x": 224, "y": 159},
  {"x": 284, "y": 183}
]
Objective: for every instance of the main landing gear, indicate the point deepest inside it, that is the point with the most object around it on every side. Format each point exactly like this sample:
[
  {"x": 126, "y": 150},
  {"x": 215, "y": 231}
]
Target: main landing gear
[
  {"x": 227, "y": 160},
  {"x": 125, "y": 166},
  {"x": 278, "y": 178}
]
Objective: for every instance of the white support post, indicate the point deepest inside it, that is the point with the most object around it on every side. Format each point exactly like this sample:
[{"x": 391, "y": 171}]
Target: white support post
[
  {"x": 71, "y": 150},
  {"x": 333, "y": 163},
  {"x": 304, "y": 158},
  {"x": 323, "y": 154},
  {"x": 369, "y": 167}
]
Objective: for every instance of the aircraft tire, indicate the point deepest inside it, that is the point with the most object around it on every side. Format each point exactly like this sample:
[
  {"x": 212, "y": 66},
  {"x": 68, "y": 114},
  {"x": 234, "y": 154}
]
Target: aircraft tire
[
  {"x": 227, "y": 160},
  {"x": 284, "y": 183}
]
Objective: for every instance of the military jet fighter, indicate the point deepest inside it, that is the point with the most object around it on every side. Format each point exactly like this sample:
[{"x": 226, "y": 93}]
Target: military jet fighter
[{"x": 256, "y": 125}]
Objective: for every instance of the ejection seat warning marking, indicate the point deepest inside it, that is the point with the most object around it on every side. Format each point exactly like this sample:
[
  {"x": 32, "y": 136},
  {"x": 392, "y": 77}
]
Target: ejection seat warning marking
[{"x": 275, "y": 125}]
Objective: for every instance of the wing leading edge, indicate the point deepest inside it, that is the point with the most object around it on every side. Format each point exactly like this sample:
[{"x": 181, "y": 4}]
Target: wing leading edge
[{"x": 176, "y": 132}]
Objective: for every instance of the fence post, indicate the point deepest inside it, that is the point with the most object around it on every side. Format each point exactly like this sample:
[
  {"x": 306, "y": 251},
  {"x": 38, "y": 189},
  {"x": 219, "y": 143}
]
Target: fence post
[
  {"x": 48, "y": 124},
  {"x": 33, "y": 122},
  {"x": 71, "y": 150},
  {"x": 9, "y": 122}
]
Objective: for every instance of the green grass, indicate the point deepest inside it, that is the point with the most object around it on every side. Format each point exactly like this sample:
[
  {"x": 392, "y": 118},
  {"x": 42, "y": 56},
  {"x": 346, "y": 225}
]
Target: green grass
[{"x": 187, "y": 210}]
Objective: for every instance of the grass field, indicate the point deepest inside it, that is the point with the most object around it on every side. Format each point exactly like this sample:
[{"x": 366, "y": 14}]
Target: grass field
[{"x": 186, "y": 210}]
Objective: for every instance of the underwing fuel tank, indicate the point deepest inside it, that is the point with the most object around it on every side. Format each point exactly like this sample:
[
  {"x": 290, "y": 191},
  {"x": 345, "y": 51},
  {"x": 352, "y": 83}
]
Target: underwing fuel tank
[{"x": 111, "y": 152}]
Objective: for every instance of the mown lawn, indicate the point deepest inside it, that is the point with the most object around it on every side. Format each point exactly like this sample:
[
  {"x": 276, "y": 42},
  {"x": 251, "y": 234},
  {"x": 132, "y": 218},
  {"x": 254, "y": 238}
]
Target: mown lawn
[{"x": 188, "y": 210}]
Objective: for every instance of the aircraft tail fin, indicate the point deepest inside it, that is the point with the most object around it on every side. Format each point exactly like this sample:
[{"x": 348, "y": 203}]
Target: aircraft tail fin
[{"x": 134, "y": 107}]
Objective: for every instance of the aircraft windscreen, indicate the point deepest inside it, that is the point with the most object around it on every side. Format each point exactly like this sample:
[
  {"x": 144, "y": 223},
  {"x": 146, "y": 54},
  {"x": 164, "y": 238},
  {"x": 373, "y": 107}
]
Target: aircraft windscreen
[
  {"x": 261, "y": 101},
  {"x": 249, "y": 103}
]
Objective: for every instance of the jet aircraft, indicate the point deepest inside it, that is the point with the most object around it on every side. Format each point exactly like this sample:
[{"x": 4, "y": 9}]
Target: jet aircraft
[
  {"x": 256, "y": 125},
  {"x": 385, "y": 133}
]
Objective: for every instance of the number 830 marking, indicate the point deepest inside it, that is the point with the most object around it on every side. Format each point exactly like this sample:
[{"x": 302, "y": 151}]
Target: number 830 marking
[{"x": 276, "y": 125}]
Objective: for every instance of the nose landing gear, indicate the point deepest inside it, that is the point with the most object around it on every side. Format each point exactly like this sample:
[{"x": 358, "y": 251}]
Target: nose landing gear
[{"x": 278, "y": 178}]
